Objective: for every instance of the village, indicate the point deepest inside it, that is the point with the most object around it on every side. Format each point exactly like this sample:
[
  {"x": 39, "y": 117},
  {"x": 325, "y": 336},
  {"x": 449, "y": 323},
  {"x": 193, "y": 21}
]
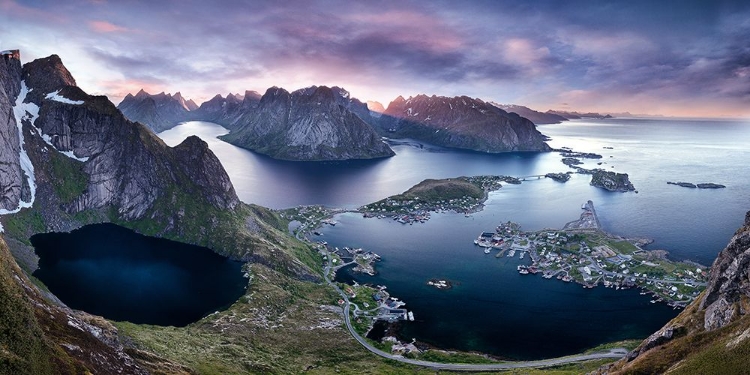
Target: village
[
  {"x": 463, "y": 195},
  {"x": 581, "y": 252}
]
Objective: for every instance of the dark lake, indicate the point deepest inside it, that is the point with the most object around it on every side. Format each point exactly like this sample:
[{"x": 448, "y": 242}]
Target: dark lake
[{"x": 108, "y": 270}]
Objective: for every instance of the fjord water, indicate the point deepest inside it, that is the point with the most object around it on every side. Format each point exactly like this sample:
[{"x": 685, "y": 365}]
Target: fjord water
[
  {"x": 492, "y": 308},
  {"x": 111, "y": 271}
]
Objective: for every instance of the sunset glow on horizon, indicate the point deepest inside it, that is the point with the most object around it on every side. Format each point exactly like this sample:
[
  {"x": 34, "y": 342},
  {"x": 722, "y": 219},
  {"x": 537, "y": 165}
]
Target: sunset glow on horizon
[{"x": 678, "y": 58}]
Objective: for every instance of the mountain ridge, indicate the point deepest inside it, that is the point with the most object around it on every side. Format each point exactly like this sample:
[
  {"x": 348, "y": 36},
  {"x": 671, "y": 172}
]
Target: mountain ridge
[
  {"x": 310, "y": 124},
  {"x": 460, "y": 122}
]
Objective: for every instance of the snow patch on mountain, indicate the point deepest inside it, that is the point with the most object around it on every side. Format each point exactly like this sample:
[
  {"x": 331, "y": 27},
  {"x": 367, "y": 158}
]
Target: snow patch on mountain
[
  {"x": 55, "y": 95},
  {"x": 24, "y": 111}
]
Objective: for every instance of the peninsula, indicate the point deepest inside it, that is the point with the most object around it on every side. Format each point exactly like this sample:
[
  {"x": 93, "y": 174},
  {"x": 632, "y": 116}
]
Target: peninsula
[{"x": 582, "y": 252}]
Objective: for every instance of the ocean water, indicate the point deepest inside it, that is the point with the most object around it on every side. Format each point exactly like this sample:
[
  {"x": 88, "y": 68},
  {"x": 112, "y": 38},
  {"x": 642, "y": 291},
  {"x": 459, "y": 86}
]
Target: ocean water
[{"x": 492, "y": 308}]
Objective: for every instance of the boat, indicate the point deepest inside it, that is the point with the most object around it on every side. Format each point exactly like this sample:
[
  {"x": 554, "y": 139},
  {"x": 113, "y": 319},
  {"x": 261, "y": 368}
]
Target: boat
[
  {"x": 486, "y": 250},
  {"x": 512, "y": 253},
  {"x": 411, "y": 316},
  {"x": 523, "y": 271}
]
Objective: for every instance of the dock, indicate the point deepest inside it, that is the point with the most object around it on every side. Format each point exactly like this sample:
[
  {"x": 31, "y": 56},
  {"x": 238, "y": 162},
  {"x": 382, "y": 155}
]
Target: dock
[{"x": 587, "y": 221}]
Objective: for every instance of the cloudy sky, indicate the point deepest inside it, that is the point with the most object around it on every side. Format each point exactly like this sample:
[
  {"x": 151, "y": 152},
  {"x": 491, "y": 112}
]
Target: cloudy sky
[{"x": 686, "y": 58}]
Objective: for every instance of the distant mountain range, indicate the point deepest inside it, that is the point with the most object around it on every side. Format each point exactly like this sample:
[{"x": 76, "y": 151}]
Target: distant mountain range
[
  {"x": 160, "y": 112},
  {"x": 339, "y": 127},
  {"x": 536, "y": 117},
  {"x": 578, "y": 115}
]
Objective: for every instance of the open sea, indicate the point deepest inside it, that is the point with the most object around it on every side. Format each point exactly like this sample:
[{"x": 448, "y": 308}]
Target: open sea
[{"x": 492, "y": 308}]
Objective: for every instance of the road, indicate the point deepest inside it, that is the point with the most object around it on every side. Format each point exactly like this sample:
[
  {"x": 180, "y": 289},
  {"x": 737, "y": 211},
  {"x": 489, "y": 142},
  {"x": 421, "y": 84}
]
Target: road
[{"x": 615, "y": 353}]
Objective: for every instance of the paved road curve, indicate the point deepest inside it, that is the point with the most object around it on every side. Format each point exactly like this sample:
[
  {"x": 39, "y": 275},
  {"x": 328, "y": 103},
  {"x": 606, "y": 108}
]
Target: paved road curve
[{"x": 616, "y": 353}]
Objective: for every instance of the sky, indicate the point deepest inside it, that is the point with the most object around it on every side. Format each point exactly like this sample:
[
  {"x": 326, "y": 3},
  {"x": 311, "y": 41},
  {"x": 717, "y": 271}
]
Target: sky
[{"x": 678, "y": 58}]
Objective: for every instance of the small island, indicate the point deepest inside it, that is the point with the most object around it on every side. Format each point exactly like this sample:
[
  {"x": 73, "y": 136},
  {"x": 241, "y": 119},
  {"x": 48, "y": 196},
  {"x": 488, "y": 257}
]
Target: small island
[
  {"x": 559, "y": 177},
  {"x": 708, "y": 185},
  {"x": 462, "y": 194}
]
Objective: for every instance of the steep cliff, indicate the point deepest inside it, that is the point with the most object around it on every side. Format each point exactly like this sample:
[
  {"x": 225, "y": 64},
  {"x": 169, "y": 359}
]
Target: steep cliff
[
  {"x": 712, "y": 335},
  {"x": 158, "y": 112},
  {"x": 316, "y": 123},
  {"x": 12, "y": 177},
  {"x": 461, "y": 122}
]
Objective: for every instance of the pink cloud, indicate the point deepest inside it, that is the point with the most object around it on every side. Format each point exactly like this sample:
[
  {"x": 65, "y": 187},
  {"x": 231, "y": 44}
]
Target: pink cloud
[
  {"x": 104, "y": 27},
  {"x": 13, "y": 8}
]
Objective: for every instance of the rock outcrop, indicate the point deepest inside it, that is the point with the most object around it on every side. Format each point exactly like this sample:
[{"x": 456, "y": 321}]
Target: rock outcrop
[
  {"x": 611, "y": 181},
  {"x": 536, "y": 117},
  {"x": 727, "y": 296},
  {"x": 11, "y": 175},
  {"x": 461, "y": 122},
  {"x": 316, "y": 123},
  {"x": 159, "y": 112}
]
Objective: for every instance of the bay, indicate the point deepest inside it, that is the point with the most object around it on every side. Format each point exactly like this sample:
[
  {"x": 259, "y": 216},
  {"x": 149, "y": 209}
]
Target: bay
[{"x": 493, "y": 309}]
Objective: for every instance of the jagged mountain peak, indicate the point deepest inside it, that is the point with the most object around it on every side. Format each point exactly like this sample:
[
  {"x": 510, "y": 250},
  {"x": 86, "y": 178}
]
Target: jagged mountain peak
[
  {"x": 158, "y": 111},
  {"x": 141, "y": 94},
  {"x": 50, "y": 75}
]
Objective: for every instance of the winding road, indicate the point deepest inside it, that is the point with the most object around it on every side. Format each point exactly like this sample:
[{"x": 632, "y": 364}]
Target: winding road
[{"x": 615, "y": 353}]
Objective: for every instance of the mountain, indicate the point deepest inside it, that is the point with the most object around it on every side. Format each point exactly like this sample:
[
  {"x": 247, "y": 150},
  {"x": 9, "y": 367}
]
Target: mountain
[
  {"x": 375, "y": 106},
  {"x": 227, "y": 110},
  {"x": 460, "y": 122},
  {"x": 577, "y": 115},
  {"x": 159, "y": 112},
  {"x": 712, "y": 335},
  {"x": 315, "y": 123},
  {"x": 536, "y": 117}
]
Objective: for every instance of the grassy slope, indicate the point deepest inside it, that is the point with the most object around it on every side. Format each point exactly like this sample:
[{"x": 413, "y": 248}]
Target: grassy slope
[
  {"x": 696, "y": 351},
  {"x": 444, "y": 189},
  {"x": 23, "y": 348}
]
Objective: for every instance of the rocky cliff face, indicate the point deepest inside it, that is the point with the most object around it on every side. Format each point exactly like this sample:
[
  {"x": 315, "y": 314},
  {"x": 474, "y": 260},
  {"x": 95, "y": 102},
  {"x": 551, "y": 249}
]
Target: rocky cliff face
[
  {"x": 316, "y": 123},
  {"x": 461, "y": 122},
  {"x": 11, "y": 175},
  {"x": 158, "y": 112},
  {"x": 712, "y": 335},
  {"x": 536, "y": 117},
  {"x": 88, "y": 156},
  {"x": 127, "y": 165},
  {"x": 727, "y": 297}
]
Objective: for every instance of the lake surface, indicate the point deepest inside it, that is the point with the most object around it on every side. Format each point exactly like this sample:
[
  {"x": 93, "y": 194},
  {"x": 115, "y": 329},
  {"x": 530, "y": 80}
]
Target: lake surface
[
  {"x": 493, "y": 308},
  {"x": 111, "y": 271}
]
